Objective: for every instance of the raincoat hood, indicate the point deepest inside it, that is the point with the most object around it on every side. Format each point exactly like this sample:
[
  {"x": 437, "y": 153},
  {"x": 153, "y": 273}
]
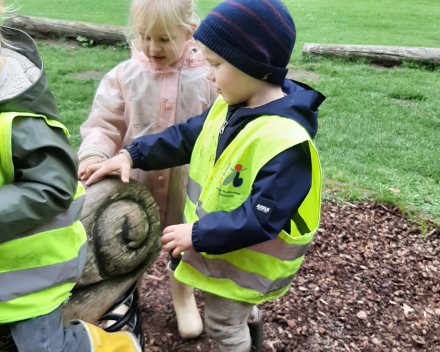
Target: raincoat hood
[
  {"x": 300, "y": 104},
  {"x": 37, "y": 98}
]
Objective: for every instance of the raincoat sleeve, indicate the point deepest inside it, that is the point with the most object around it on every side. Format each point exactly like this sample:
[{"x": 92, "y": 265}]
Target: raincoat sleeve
[
  {"x": 170, "y": 148},
  {"x": 45, "y": 177},
  {"x": 104, "y": 130}
]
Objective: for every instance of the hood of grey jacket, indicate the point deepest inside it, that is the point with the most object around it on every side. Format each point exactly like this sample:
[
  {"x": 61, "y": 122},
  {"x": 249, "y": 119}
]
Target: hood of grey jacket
[
  {"x": 37, "y": 98},
  {"x": 45, "y": 165}
]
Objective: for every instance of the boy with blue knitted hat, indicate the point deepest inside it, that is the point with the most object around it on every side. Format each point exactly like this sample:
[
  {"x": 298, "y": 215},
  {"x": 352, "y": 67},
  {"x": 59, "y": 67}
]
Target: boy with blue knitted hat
[{"x": 253, "y": 200}]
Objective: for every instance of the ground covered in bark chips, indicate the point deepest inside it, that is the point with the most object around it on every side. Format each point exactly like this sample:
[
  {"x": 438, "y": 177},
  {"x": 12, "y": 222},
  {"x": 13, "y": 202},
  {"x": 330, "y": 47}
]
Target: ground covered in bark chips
[{"x": 370, "y": 282}]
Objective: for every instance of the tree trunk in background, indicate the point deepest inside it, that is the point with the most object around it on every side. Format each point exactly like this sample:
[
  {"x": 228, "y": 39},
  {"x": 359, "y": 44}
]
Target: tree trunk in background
[
  {"x": 387, "y": 55},
  {"x": 47, "y": 28}
]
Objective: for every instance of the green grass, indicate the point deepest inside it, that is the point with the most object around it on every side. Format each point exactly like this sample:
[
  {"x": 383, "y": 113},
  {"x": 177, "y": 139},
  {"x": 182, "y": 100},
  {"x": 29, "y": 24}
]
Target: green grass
[
  {"x": 74, "y": 96},
  {"x": 378, "y": 129},
  {"x": 368, "y": 22},
  {"x": 97, "y": 11}
]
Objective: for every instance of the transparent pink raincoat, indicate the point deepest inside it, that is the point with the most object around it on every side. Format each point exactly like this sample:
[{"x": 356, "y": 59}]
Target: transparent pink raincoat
[{"x": 134, "y": 99}]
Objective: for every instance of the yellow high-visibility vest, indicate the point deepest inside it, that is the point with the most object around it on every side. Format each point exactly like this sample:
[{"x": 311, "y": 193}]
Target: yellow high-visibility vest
[
  {"x": 264, "y": 271},
  {"x": 39, "y": 268}
]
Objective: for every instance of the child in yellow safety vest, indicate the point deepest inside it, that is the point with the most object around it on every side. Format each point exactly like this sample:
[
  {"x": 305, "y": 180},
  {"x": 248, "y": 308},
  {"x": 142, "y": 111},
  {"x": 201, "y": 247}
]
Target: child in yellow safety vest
[
  {"x": 254, "y": 188},
  {"x": 42, "y": 243}
]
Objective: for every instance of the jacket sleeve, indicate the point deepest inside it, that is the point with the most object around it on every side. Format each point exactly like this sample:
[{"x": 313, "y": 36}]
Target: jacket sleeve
[
  {"x": 105, "y": 128},
  {"x": 281, "y": 185},
  {"x": 170, "y": 148},
  {"x": 45, "y": 177}
]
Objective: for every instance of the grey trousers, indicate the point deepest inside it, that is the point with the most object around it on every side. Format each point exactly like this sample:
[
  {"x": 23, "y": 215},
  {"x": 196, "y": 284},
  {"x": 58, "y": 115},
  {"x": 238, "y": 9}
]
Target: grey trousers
[
  {"x": 227, "y": 322},
  {"x": 47, "y": 334}
]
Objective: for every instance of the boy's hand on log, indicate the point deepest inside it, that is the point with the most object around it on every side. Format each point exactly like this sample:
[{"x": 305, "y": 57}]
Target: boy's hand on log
[
  {"x": 120, "y": 164},
  {"x": 86, "y": 163},
  {"x": 178, "y": 237}
]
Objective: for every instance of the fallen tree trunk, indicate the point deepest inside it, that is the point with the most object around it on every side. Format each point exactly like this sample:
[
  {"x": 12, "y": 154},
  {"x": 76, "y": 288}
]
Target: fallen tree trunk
[
  {"x": 387, "y": 55},
  {"x": 38, "y": 27}
]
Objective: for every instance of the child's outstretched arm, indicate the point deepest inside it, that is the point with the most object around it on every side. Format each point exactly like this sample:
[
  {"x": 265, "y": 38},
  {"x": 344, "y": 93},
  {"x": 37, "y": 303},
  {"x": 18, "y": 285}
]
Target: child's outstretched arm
[
  {"x": 164, "y": 150},
  {"x": 120, "y": 164},
  {"x": 45, "y": 179},
  {"x": 102, "y": 133}
]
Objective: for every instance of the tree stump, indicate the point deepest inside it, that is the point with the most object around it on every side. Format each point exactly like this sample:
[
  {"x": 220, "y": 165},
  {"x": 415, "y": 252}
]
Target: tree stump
[
  {"x": 39, "y": 27},
  {"x": 123, "y": 231}
]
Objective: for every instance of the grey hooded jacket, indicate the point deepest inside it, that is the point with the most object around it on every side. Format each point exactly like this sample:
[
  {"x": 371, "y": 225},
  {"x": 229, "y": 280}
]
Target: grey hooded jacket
[{"x": 45, "y": 165}]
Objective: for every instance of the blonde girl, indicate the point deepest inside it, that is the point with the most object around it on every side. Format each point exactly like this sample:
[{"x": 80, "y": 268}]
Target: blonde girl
[{"x": 164, "y": 83}]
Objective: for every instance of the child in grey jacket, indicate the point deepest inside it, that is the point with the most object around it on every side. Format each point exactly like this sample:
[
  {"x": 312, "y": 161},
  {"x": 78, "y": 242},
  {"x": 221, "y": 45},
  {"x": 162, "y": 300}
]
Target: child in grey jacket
[{"x": 42, "y": 243}]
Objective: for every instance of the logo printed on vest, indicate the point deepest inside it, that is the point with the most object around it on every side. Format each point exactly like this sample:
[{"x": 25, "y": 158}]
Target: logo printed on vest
[{"x": 234, "y": 177}]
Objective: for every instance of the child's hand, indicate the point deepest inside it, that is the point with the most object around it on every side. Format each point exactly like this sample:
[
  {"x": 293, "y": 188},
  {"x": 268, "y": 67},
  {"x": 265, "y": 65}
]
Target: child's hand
[
  {"x": 178, "y": 237},
  {"x": 86, "y": 163},
  {"x": 120, "y": 164}
]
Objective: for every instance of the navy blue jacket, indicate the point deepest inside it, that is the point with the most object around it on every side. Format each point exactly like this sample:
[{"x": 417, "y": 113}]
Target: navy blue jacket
[{"x": 281, "y": 185}]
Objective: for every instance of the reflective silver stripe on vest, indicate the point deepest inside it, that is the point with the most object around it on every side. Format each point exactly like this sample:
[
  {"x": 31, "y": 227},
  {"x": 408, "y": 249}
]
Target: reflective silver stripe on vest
[
  {"x": 16, "y": 284},
  {"x": 221, "y": 269},
  {"x": 194, "y": 190},
  {"x": 279, "y": 249},
  {"x": 62, "y": 220},
  {"x": 200, "y": 212}
]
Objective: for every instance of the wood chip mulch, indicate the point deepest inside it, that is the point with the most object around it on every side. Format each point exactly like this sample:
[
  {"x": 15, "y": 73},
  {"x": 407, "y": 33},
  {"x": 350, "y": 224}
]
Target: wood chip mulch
[{"x": 370, "y": 282}]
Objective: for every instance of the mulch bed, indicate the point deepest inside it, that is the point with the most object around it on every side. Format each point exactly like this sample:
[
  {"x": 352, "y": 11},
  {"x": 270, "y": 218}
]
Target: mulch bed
[{"x": 370, "y": 282}]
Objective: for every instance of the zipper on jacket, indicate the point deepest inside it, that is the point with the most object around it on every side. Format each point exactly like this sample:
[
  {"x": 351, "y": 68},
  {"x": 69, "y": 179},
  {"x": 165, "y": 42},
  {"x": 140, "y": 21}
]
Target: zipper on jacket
[{"x": 222, "y": 129}]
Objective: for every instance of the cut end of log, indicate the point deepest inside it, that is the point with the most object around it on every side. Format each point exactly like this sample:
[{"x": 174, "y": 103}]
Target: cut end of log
[{"x": 122, "y": 224}]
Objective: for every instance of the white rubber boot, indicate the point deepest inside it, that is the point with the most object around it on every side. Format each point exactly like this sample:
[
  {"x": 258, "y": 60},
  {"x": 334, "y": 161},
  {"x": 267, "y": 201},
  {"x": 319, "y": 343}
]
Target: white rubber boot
[{"x": 189, "y": 321}]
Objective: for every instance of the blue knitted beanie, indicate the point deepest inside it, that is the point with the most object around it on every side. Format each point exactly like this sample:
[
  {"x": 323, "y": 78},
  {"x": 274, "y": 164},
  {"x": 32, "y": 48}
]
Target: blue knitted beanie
[{"x": 255, "y": 36}]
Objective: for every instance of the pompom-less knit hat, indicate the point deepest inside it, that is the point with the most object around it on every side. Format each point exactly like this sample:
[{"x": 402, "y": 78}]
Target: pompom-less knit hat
[{"x": 255, "y": 36}]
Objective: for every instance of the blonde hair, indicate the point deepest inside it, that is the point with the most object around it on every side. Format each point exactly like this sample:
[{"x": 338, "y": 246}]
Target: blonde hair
[
  {"x": 202, "y": 47},
  {"x": 145, "y": 14},
  {"x": 2, "y": 12}
]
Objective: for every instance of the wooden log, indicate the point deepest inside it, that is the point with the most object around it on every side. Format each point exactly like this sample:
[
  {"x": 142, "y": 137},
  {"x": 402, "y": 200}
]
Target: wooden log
[
  {"x": 89, "y": 303},
  {"x": 122, "y": 224},
  {"x": 388, "y": 55},
  {"x": 123, "y": 232},
  {"x": 38, "y": 27}
]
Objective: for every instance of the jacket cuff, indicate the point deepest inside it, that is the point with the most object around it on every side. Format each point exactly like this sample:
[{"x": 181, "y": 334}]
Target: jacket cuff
[
  {"x": 135, "y": 155},
  {"x": 92, "y": 153},
  {"x": 127, "y": 154},
  {"x": 197, "y": 245}
]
